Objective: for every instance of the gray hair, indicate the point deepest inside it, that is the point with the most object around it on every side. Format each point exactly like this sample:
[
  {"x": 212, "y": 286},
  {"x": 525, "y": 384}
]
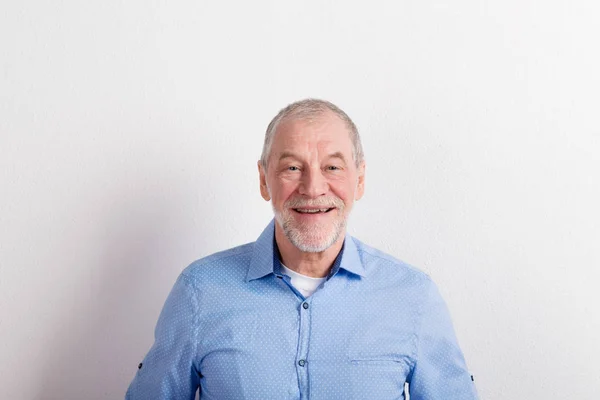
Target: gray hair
[{"x": 308, "y": 109}]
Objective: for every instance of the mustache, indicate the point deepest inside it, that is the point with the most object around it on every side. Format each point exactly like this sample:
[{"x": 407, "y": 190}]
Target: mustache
[{"x": 321, "y": 202}]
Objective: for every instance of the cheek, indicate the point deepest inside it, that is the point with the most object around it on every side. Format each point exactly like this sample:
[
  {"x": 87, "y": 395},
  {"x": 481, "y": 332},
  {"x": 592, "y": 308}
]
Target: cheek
[
  {"x": 282, "y": 190},
  {"x": 344, "y": 190}
]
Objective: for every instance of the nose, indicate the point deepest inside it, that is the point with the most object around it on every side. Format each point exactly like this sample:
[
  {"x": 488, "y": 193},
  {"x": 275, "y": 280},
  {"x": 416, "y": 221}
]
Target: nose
[{"x": 313, "y": 183}]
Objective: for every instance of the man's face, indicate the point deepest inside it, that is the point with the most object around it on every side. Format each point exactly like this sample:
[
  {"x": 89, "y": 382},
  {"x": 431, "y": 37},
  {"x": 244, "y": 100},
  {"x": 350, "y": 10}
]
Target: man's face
[{"x": 312, "y": 180}]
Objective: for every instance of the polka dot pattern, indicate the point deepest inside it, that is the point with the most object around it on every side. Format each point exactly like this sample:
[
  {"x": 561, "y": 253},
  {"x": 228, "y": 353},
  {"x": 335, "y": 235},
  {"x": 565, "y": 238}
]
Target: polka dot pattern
[{"x": 233, "y": 327}]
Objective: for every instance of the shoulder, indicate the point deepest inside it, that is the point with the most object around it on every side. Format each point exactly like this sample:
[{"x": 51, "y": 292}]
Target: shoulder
[
  {"x": 226, "y": 263},
  {"x": 381, "y": 265}
]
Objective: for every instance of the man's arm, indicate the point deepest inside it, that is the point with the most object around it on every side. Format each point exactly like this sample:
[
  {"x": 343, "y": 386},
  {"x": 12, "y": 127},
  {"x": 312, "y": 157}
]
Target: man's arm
[
  {"x": 440, "y": 371},
  {"x": 168, "y": 370}
]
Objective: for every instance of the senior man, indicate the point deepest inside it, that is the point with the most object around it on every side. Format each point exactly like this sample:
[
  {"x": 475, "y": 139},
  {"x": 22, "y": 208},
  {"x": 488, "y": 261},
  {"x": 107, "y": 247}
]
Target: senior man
[{"x": 306, "y": 311}]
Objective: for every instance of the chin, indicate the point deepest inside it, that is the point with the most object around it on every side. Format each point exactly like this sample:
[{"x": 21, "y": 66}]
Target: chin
[
  {"x": 312, "y": 246},
  {"x": 313, "y": 239}
]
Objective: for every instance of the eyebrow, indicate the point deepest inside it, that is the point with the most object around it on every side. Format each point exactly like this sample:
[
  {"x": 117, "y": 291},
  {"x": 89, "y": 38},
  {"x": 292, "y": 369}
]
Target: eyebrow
[
  {"x": 338, "y": 154},
  {"x": 287, "y": 154}
]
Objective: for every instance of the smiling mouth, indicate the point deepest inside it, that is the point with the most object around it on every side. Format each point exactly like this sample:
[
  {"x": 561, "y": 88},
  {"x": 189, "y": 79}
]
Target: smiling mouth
[{"x": 312, "y": 210}]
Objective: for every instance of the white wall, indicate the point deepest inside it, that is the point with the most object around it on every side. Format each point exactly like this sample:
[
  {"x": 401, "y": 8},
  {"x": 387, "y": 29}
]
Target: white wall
[{"x": 129, "y": 133}]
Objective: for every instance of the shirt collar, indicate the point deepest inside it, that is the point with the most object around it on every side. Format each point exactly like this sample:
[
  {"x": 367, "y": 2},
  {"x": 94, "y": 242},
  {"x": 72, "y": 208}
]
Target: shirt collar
[{"x": 265, "y": 256}]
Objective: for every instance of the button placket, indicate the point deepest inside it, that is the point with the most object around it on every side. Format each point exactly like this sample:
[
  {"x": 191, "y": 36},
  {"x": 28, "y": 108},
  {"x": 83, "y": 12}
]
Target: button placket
[{"x": 303, "y": 341}]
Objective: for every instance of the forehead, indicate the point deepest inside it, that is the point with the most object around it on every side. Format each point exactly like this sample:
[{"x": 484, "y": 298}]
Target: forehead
[{"x": 325, "y": 132}]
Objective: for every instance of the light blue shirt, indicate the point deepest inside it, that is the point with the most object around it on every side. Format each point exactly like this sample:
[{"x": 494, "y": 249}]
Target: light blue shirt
[{"x": 234, "y": 327}]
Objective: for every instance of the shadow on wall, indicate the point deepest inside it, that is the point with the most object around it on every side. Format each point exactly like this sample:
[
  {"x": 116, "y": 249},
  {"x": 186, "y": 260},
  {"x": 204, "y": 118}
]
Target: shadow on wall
[{"x": 95, "y": 351}]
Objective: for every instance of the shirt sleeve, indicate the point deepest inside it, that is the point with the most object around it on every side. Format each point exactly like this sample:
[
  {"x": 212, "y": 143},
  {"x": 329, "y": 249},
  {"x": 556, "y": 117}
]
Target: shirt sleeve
[
  {"x": 440, "y": 371},
  {"x": 168, "y": 370}
]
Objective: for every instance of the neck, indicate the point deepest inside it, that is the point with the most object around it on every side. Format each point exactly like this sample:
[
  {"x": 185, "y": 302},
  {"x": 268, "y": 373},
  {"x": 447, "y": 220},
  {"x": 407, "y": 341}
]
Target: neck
[{"x": 316, "y": 265}]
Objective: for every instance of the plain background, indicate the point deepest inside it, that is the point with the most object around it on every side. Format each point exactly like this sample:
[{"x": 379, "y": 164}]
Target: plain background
[{"x": 129, "y": 134}]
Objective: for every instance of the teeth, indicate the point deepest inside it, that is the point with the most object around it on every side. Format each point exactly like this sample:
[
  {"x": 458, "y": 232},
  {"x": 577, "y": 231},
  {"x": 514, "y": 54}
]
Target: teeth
[{"x": 312, "y": 211}]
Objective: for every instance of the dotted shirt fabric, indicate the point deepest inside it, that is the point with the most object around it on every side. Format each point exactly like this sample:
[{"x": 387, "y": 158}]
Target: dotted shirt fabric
[{"x": 233, "y": 327}]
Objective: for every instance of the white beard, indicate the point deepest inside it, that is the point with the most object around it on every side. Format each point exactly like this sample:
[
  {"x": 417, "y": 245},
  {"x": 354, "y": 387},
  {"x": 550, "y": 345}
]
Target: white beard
[{"x": 313, "y": 237}]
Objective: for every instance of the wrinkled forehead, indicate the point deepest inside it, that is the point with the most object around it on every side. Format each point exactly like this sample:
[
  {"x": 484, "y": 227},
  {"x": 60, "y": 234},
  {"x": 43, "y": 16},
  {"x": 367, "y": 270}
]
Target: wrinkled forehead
[{"x": 325, "y": 127}]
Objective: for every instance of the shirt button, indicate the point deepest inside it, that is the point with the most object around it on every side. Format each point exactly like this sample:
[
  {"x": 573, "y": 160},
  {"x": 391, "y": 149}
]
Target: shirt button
[
  {"x": 305, "y": 305},
  {"x": 301, "y": 363}
]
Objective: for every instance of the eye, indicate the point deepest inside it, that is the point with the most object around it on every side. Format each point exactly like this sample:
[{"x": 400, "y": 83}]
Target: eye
[
  {"x": 293, "y": 168},
  {"x": 333, "y": 168}
]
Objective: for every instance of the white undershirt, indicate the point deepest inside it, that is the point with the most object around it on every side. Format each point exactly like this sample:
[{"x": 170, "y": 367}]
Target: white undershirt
[{"x": 306, "y": 285}]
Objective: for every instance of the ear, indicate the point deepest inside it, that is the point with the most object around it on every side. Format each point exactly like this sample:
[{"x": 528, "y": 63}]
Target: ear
[
  {"x": 262, "y": 176},
  {"x": 360, "y": 186}
]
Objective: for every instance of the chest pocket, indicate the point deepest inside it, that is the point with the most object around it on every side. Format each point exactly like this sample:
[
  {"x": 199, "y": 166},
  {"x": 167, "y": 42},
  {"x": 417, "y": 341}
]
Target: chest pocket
[
  {"x": 380, "y": 361},
  {"x": 378, "y": 379}
]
